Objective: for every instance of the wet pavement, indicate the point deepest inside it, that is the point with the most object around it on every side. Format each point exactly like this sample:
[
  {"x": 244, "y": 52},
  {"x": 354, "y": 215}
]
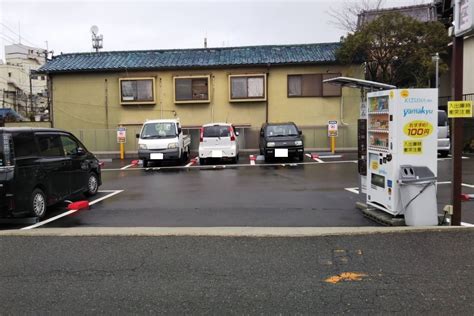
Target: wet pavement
[
  {"x": 400, "y": 273},
  {"x": 319, "y": 192}
]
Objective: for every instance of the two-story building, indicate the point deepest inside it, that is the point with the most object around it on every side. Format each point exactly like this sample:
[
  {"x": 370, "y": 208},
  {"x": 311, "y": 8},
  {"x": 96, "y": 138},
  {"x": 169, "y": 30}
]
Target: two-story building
[{"x": 247, "y": 86}]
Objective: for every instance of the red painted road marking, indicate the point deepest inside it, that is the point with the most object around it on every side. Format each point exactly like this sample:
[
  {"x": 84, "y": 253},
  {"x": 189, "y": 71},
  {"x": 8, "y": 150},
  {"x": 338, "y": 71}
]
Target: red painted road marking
[
  {"x": 252, "y": 159},
  {"x": 315, "y": 157},
  {"x": 192, "y": 162}
]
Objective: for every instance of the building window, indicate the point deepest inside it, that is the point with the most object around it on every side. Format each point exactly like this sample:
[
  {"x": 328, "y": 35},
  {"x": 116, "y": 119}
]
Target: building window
[
  {"x": 137, "y": 91},
  {"x": 191, "y": 89},
  {"x": 247, "y": 88},
  {"x": 311, "y": 85}
]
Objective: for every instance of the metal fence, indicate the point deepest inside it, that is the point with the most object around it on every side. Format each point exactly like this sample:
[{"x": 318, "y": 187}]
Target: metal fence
[{"x": 105, "y": 140}]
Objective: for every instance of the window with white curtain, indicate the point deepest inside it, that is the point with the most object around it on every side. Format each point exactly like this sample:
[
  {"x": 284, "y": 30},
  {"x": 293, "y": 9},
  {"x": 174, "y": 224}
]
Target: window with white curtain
[{"x": 247, "y": 87}]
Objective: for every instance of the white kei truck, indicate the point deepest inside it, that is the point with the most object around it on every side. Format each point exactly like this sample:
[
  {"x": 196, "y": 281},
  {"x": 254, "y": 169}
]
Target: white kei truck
[{"x": 163, "y": 140}]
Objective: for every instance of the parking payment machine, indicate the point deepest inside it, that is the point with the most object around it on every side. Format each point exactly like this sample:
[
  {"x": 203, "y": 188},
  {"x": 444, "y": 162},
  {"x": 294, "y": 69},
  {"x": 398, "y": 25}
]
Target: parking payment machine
[{"x": 402, "y": 131}]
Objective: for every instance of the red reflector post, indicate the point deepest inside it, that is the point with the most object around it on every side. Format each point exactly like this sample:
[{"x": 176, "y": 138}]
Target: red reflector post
[{"x": 79, "y": 205}]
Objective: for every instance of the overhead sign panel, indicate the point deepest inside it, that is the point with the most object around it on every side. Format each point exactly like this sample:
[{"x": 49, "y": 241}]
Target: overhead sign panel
[{"x": 464, "y": 17}]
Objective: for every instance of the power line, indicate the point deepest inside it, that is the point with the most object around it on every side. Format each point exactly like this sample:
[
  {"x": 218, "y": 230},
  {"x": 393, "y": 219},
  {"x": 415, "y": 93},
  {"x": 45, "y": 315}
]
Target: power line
[
  {"x": 13, "y": 43},
  {"x": 22, "y": 37}
]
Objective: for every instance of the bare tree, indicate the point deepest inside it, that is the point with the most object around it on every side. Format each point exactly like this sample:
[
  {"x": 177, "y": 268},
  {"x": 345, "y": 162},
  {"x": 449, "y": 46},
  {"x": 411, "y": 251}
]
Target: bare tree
[{"x": 345, "y": 16}]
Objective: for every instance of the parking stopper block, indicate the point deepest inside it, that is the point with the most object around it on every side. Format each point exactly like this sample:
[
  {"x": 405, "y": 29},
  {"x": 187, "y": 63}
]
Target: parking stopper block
[{"x": 79, "y": 205}]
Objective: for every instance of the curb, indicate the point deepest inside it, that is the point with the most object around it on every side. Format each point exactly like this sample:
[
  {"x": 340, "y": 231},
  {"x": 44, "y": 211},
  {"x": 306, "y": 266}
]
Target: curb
[{"x": 225, "y": 231}]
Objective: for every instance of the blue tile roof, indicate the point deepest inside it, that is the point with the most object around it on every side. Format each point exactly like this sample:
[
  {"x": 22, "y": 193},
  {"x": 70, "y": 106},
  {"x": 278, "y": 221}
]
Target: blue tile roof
[{"x": 193, "y": 58}]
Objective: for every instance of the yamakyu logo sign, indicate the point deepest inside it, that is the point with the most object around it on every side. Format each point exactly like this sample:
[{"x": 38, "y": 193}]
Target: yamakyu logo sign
[{"x": 405, "y": 94}]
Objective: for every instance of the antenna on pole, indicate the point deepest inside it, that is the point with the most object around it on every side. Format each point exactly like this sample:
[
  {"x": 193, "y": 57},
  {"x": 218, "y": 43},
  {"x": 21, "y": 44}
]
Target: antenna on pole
[
  {"x": 97, "y": 40},
  {"x": 205, "y": 42}
]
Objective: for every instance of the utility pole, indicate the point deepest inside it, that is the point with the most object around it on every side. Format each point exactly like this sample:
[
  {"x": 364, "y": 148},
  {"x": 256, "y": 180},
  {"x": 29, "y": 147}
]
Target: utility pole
[
  {"x": 31, "y": 98},
  {"x": 457, "y": 124},
  {"x": 435, "y": 59}
]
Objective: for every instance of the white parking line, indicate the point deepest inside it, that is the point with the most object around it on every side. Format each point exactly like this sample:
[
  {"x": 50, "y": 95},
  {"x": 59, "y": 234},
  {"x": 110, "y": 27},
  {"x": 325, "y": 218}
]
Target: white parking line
[
  {"x": 330, "y": 156},
  {"x": 353, "y": 190},
  {"x": 127, "y": 166},
  {"x": 314, "y": 163},
  {"x": 49, "y": 220},
  {"x": 314, "y": 158},
  {"x": 356, "y": 189},
  {"x": 463, "y": 184}
]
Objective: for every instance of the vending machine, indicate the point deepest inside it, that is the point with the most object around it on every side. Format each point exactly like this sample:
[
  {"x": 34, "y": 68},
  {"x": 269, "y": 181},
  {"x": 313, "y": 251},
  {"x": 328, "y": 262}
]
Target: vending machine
[{"x": 401, "y": 131}]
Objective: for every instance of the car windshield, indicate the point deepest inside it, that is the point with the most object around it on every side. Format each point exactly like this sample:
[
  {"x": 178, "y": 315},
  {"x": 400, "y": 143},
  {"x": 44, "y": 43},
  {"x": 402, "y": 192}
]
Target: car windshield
[
  {"x": 216, "y": 131},
  {"x": 159, "y": 130},
  {"x": 2, "y": 161},
  {"x": 6, "y": 154},
  {"x": 442, "y": 118},
  {"x": 281, "y": 130}
]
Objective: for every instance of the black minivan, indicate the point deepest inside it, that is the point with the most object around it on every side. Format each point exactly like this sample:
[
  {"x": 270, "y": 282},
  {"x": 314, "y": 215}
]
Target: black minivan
[
  {"x": 41, "y": 167},
  {"x": 281, "y": 140}
]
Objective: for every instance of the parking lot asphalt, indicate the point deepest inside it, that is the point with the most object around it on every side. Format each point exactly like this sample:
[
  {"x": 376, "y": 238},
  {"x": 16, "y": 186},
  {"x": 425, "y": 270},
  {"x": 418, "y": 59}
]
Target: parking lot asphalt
[
  {"x": 426, "y": 273},
  {"x": 319, "y": 192}
]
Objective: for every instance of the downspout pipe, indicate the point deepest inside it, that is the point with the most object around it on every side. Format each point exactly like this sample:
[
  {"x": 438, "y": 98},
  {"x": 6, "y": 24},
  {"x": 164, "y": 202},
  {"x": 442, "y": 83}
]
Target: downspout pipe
[
  {"x": 266, "y": 93},
  {"x": 341, "y": 111},
  {"x": 50, "y": 100}
]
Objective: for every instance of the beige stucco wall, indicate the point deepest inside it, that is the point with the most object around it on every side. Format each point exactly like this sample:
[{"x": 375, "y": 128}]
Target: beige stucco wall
[{"x": 79, "y": 101}]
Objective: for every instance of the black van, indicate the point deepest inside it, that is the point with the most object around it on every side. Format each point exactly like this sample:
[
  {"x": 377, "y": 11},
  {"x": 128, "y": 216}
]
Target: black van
[
  {"x": 40, "y": 167},
  {"x": 281, "y": 140}
]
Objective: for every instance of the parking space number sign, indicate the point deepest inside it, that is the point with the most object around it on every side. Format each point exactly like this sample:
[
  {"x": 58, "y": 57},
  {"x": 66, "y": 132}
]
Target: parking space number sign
[
  {"x": 121, "y": 135},
  {"x": 332, "y": 128}
]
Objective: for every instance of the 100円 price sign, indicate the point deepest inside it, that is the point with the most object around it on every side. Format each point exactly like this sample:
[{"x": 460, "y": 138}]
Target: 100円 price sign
[{"x": 460, "y": 109}]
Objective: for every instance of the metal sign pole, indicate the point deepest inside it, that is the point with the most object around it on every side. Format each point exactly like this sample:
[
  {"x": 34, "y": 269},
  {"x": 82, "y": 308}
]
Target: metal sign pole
[{"x": 457, "y": 123}]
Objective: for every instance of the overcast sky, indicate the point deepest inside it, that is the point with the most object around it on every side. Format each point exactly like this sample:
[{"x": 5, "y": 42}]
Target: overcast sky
[{"x": 141, "y": 24}]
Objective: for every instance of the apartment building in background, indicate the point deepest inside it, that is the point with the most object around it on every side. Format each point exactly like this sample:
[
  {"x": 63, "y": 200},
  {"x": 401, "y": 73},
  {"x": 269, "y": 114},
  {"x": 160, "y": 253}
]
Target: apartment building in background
[{"x": 21, "y": 89}]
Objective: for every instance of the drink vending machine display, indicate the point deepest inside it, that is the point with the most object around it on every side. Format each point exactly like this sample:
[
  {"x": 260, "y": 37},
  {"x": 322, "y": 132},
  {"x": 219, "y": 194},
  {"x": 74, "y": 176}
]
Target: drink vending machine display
[{"x": 401, "y": 130}]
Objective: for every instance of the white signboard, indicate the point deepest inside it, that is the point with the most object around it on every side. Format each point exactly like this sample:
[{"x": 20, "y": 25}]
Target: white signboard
[
  {"x": 464, "y": 17},
  {"x": 332, "y": 128},
  {"x": 121, "y": 135}
]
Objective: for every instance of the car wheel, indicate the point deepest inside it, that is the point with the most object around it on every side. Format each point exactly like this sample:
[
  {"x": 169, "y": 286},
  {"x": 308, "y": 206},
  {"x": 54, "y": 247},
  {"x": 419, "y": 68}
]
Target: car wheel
[
  {"x": 202, "y": 161},
  {"x": 38, "y": 203},
  {"x": 145, "y": 163},
  {"x": 301, "y": 157},
  {"x": 444, "y": 154},
  {"x": 92, "y": 185},
  {"x": 234, "y": 159},
  {"x": 267, "y": 158}
]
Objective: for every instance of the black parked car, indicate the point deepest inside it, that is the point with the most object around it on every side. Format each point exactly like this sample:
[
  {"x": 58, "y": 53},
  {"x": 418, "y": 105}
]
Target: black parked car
[
  {"x": 281, "y": 140},
  {"x": 40, "y": 167}
]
